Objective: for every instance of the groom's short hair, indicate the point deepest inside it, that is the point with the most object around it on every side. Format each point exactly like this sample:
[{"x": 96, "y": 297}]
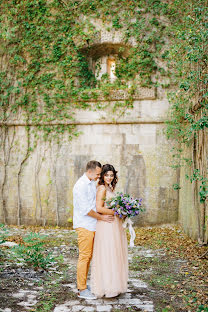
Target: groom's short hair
[{"x": 93, "y": 164}]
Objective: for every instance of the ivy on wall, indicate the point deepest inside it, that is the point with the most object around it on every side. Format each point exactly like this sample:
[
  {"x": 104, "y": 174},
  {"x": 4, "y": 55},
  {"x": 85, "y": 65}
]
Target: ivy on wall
[
  {"x": 45, "y": 74},
  {"x": 188, "y": 114}
]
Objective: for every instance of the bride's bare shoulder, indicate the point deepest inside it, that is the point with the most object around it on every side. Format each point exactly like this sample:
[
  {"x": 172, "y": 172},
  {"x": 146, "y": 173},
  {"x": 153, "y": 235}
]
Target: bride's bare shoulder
[{"x": 101, "y": 188}]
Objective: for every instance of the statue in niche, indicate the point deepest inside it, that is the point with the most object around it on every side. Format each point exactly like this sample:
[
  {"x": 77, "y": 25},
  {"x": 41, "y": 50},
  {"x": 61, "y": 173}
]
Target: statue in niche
[{"x": 111, "y": 67}]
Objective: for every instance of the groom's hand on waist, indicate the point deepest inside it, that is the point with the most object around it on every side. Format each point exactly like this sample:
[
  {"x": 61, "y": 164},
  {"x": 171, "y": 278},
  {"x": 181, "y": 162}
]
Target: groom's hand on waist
[
  {"x": 98, "y": 216},
  {"x": 107, "y": 218}
]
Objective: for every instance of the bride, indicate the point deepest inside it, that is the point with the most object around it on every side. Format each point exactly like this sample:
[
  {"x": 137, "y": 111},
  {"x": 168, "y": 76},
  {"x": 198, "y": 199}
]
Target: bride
[{"x": 109, "y": 270}]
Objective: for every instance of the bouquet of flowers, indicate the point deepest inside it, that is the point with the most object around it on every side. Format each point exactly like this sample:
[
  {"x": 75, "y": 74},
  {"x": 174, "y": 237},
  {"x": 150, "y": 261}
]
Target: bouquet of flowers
[{"x": 123, "y": 206}]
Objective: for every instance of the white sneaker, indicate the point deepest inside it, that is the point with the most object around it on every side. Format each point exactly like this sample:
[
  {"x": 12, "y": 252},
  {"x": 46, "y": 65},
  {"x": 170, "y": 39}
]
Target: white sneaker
[{"x": 86, "y": 294}]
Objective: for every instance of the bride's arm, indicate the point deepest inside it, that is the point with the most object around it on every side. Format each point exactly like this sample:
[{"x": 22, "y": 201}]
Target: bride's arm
[{"x": 100, "y": 196}]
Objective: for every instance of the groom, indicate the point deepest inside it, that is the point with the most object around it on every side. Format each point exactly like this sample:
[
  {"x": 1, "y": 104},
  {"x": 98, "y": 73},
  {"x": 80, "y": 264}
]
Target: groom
[{"x": 84, "y": 221}]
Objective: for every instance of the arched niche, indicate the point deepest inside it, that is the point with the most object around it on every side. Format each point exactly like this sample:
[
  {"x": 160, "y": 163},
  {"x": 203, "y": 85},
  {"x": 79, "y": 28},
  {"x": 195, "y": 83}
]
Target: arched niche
[{"x": 102, "y": 58}]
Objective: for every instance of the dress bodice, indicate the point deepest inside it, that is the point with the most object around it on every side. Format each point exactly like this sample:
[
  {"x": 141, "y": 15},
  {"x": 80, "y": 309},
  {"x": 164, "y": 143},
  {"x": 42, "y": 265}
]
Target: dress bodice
[{"x": 109, "y": 194}]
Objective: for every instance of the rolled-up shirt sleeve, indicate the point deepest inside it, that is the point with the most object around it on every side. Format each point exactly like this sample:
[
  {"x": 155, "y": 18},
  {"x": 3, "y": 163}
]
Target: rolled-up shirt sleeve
[{"x": 81, "y": 194}]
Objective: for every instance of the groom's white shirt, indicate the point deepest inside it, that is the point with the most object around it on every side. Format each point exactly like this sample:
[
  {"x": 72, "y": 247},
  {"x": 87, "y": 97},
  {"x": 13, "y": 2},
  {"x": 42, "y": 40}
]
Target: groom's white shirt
[{"x": 84, "y": 200}]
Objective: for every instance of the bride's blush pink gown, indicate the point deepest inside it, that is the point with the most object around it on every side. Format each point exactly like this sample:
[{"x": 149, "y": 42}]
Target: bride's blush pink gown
[{"x": 109, "y": 266}]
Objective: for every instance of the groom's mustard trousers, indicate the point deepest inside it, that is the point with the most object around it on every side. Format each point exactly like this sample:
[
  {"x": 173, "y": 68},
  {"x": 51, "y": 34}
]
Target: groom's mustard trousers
[{"x": 85, "y": 244}]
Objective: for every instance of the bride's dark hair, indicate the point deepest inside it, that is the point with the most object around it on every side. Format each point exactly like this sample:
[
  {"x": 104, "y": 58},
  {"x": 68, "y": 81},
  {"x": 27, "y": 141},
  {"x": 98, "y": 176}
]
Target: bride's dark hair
[{"x": 106, "y": 168}]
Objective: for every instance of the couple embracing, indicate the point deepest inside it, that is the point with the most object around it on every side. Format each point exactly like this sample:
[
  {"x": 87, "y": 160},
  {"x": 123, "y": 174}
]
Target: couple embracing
[{"x": 101, "y": 236}]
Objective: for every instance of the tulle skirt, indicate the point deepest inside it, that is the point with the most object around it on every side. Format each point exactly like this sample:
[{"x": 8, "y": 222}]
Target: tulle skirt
[{"x": 109, "y": 266}]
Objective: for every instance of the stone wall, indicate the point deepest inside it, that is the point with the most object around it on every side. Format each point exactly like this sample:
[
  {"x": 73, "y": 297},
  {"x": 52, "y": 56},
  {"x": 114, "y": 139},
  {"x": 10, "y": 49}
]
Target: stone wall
[
  {"x": 38, "y": 190},
  {"x": 190, "y": 208},
  {"x": 134, "y": 144}
]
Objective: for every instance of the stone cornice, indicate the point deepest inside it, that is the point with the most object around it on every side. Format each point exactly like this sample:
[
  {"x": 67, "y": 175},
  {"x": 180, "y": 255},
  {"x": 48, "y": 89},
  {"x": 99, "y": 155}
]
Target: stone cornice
[
  {"x": 76, "y": 123},
  {"x": 141, "y": 93}
]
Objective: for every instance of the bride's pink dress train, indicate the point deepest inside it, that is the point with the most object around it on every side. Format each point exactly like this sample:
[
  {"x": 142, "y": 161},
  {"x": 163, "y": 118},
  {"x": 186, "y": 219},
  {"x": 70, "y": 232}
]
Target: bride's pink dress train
[{"x": 109, "y": 266}]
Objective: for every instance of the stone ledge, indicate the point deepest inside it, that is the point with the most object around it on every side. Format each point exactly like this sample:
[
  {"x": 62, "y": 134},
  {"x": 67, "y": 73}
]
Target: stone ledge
[
  {"x": 76, "y": 123},
  {"x": 141, "y": 93}
]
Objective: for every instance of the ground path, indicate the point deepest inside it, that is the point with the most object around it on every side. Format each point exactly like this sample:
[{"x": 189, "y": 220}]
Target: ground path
[{"x": 156, "y": 280}]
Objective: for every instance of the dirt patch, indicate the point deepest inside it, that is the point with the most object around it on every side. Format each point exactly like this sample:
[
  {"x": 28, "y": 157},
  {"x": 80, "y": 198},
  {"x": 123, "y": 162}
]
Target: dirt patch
[{"x": 159, "y": 280}]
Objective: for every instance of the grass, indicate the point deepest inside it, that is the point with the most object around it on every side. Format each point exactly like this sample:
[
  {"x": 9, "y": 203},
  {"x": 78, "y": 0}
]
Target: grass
[
  {"x": 179, "y": 283},
  {"x": 173, "y": 285},
  {"x": 54, "y": 293}
]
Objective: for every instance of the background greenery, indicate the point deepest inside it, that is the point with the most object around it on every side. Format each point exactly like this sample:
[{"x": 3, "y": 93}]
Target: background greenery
[{"x": 45, "y": 73}]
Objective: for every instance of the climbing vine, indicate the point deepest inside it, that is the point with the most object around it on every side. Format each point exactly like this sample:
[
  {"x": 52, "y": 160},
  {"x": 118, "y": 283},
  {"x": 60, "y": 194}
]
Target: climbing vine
[
  {"x": 45, "y": 74},
  {"x": 44, "y": 67},
  {"x": 188, "y": 118},
  {"x": 41, "y": 51}
]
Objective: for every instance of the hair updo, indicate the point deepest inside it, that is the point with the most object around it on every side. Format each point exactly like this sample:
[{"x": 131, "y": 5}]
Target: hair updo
[{"x": 106, "y": 168}]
